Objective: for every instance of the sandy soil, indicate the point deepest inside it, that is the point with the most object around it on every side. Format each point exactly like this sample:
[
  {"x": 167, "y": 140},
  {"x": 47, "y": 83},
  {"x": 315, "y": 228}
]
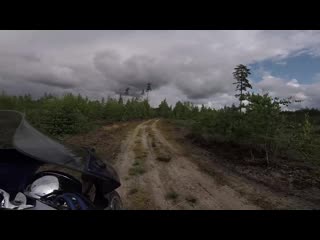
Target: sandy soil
[
  {"x": 185, "y": 179},
  {"x": 161, "y": 171}
]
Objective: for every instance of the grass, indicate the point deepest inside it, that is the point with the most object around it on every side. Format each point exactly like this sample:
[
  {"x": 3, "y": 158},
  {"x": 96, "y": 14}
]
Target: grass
[
  {"x": 172, "y": 195},
  {"x": 153, "y": 144},
  {"x": 140, "y": 200},
  {"x": 139, "y": 133},
  {"x": 139, "y": 151},
  {"x": 133, "y": 191},
  {"x": 151, "y": 136},
  {"x": 191, "y": 199},
  {"x": 137, "y": 163},
  {"x": 140, "y": 154},
  {"x": 163, "y": 157},
  {"x": 136, "y": 170}
]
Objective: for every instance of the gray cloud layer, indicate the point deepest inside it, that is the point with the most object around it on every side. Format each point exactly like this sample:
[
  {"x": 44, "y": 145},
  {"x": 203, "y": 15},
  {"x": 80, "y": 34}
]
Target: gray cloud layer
[{"x": 181, "y": 65}]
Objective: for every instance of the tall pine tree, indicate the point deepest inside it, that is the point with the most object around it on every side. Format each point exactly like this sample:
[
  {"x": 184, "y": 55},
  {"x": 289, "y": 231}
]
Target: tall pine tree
[
  {"x": 241, "y": 74},
  {"x": 148, "y": 90}
]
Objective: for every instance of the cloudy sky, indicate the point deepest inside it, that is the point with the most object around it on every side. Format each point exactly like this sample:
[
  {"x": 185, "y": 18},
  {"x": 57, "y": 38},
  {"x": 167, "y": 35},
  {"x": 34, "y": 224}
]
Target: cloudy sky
[{"x": 181, "y": 65}]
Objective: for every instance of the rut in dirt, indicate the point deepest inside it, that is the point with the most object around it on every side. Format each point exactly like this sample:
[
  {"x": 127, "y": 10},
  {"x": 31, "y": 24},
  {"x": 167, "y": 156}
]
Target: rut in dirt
[
  {"x": 156, "y": 176},
  {"x": 157, "y": 172}
]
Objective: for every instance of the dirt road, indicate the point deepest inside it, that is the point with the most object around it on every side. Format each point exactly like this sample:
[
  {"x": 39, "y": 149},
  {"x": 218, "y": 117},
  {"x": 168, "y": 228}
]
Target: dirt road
[{"x": 159, "y": 173}]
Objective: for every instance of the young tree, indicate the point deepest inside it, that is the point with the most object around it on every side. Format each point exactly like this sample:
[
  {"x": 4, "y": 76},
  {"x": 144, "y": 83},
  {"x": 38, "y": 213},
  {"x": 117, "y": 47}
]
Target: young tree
[
  {"x": 127, "y": 91},
  {"x": 179, "y": 110},
  {"x": 241, "y": 74},
  {"x": 265, "y": 125},
  {"x": 148, "y": 90},
  {"x": 164, "y": 109},
  {"x": 120, "y": 100}
]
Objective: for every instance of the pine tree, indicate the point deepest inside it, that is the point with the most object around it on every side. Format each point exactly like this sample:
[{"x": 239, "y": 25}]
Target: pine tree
[
  {"x": 127, "y": 91},
  {"x": 241, "y": 74},
  {"x": 148, "y": 90},
  {"x": 120, "y": 100},
  {"x": 164, "y": 109}
]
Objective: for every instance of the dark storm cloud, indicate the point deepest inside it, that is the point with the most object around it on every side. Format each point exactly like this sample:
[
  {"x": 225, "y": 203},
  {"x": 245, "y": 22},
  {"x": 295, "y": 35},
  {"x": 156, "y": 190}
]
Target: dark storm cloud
[
  {"x": 195, "y": 78},
  {"x": 134, "y": 72},
  {"x": 30, "y": 68},
  {"x": 55, "y": 82}
]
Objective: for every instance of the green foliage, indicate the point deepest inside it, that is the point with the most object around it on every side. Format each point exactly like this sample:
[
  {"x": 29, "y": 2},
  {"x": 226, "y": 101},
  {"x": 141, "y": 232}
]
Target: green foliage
[
  {"x": 185, "y": 110},
  {"x": 241, "y": 74},
  {"x": 262, "y": 115},
  {"x": 306, "y": 140},
  {"x": 70, "y": 114},
  {"x": 164, "y": 110},
  {"x": 262, "y": 127}
]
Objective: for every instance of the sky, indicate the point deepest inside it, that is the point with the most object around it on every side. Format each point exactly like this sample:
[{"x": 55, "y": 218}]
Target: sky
[{"x": 181, "y": 65}]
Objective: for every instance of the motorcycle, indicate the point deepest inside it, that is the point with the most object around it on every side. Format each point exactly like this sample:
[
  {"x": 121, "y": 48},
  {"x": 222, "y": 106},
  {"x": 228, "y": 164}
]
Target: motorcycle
[{"x": 24, "y": 150}]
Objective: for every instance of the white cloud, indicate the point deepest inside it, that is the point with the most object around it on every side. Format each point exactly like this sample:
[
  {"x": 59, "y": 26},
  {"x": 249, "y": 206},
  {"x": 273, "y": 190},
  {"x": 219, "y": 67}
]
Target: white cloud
[
  {"x": 187, "y": 65},
  {"x": 222, "y": 100},
  {"x": 283, "y": 63},
  {"x": 283, "y": 88},
  {"x": 293, "y": 83}
]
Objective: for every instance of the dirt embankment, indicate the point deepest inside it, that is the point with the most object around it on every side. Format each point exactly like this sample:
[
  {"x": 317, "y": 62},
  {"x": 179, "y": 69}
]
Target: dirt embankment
[{"x": 106, "y": 140}]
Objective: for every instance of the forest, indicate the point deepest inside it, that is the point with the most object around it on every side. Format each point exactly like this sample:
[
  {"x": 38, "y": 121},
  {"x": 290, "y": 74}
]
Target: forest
[{"x": 258, "y": 125}]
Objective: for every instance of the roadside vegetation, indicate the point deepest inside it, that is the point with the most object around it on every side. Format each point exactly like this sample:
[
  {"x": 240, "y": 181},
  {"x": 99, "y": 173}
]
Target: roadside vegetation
[
  {"x": 259, "y": 129},
  {"x": 71, "y": 114},
  {"x": 172, "y": 195}
]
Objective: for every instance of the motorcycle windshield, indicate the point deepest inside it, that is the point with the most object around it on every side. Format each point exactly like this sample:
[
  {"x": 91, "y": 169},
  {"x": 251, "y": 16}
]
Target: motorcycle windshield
[
  {"x": 9, "y": 122},
  {"x": 17, "y": 133}
]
